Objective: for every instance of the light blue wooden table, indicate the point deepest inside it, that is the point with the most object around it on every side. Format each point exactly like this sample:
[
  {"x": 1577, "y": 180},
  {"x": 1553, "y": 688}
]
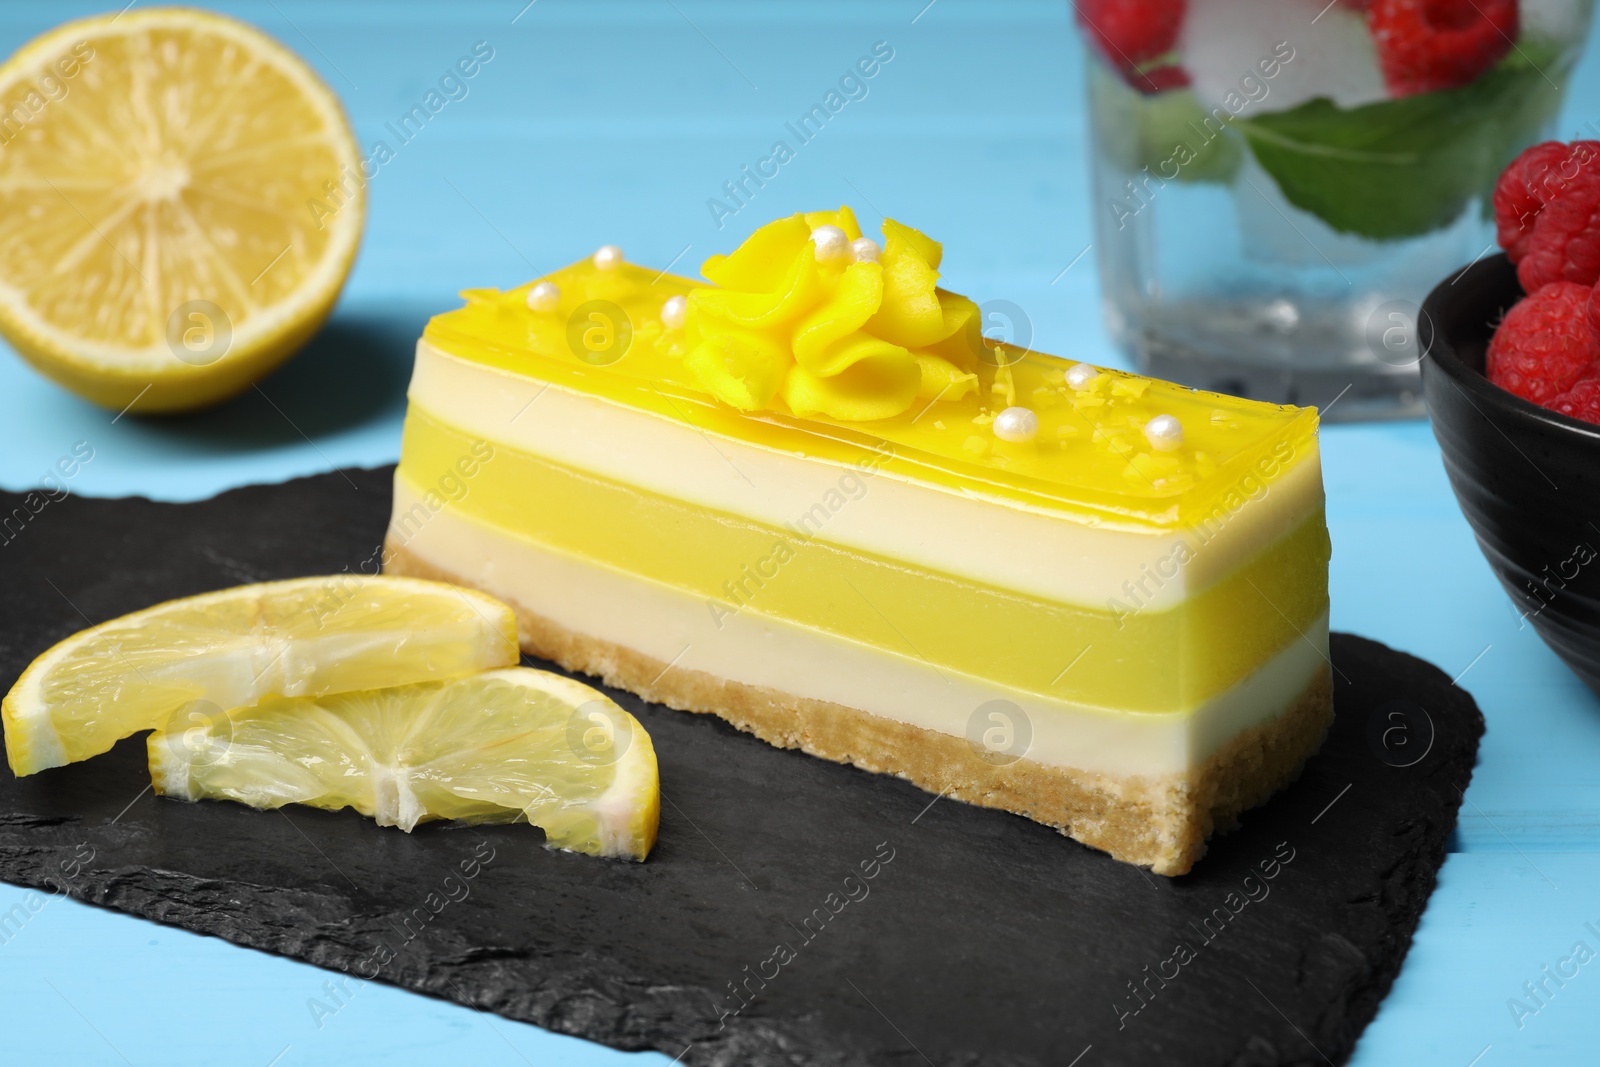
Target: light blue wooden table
[{"x": 597, "y": 122}]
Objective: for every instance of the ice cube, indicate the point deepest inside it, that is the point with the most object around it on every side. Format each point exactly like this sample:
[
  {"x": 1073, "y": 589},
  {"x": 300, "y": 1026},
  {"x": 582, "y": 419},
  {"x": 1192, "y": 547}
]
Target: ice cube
[
  {"x": 1557, "y": 22},
  {"x": 1224, "y": 44}
]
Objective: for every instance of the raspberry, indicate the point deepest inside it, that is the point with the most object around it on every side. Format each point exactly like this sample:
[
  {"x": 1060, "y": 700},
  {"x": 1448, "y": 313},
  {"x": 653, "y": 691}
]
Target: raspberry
[
  {"x": 1565, "y": 242},
  {"x": 1582, "y": 401},
  {"x": 1544, "y": 344},
  {"x": 1424, "y": 45},
  {"x": 1521, "y": 192},
  {"x": 1594, "y": 313},
  {"x": 1159, "y": 79},
  {"x": 1129, "y": 34}
]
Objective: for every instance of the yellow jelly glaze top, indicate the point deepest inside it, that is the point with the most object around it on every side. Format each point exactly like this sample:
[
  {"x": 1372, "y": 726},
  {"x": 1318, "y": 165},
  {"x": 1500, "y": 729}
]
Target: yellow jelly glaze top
[{"x": 858, "y": 361}]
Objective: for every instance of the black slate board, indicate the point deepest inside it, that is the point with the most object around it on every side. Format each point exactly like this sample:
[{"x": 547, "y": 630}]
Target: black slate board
[{"x": 984, "y": 938}]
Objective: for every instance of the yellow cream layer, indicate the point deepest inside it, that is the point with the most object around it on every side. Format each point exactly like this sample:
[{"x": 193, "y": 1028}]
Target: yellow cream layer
[
  {"x": 604, "y": 336},
  {"x": 873, "y": 505},
  {"x": 674, "y": 627},
  {"x": 1128, "y": 657}
]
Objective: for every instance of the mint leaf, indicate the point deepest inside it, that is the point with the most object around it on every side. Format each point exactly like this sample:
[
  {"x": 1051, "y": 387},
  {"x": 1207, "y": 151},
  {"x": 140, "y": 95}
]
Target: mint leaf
[{"x": 1400, "y": 168}]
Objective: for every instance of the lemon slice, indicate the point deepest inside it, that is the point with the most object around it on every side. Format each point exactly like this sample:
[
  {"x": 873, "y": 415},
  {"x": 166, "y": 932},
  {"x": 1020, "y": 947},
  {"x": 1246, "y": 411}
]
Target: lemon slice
[
  {"x": 237, "y": 646},
  {"x": 506, "y": 746},
  {"x": 181, "y": 199}
]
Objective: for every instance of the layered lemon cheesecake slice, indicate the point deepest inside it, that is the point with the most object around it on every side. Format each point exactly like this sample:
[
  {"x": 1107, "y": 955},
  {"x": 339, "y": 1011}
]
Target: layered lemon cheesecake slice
[{"x": 810, "y": 497}]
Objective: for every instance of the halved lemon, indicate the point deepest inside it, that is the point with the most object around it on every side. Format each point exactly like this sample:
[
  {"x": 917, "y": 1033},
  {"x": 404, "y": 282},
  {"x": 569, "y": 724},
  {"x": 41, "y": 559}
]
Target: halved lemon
[
  {"x": 238, "y": 646},
  {"x": 181, "y": 199},
  {"x": 505, "y": 746}
]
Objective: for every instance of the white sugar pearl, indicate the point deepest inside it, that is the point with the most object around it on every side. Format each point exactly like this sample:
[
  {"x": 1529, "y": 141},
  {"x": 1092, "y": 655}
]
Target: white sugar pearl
[
  {"x": 608, "y": 257},
  {"x": 865, "y": 250},
  {"x": 833, "y": 244},
  {"x": 673, "y": 312},
  {"x": 546, "y": 296},
  {"x": 1164, "y": 433},
  {"x": 1081, "y": 375},
  {"x": 1016, "y": 424}
]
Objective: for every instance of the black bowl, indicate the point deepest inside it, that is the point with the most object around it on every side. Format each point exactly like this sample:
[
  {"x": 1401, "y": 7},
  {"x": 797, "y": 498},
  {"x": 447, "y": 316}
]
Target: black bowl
[{"x": 1528, "y": 479}]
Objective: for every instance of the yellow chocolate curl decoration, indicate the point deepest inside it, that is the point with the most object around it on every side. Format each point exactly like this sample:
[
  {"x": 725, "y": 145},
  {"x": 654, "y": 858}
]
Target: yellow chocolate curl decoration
[{"x": 851, "y": 340}]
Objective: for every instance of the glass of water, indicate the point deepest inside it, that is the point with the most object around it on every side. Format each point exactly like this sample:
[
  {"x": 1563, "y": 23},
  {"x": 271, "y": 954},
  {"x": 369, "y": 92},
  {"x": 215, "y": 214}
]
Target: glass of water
[{"x": 1278, "y": 183}]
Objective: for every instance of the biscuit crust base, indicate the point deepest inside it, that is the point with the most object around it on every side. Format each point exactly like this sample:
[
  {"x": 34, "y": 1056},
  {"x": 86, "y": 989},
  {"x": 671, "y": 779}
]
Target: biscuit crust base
[{"x": 1157, "y": 822}]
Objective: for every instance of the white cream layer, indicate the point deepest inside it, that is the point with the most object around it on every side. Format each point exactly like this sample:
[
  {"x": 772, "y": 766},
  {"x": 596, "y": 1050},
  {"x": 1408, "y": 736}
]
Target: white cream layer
[
  {"x": 680, "y": 629},
  {"x": 997, "y": 542}
]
